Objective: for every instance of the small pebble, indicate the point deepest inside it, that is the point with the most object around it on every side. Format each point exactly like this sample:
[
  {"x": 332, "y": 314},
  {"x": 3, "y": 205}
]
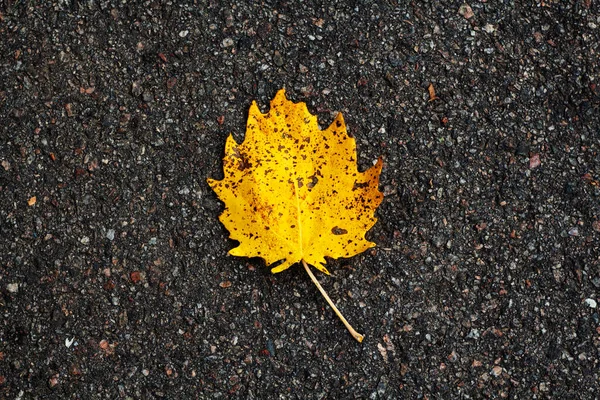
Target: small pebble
[
  {"x": 473, "y": 334},
  {"x": 489, "y": 28},
  {"x": 136, "y": 88},
  {"x": 452, "y": 357},
  {"x": 53, "y": 381},
  {"x": 382, "y": 351},
  {"x": 466, "y": 11},
  {"x": 110, "y": 234},
  {"x": 277, "y": 58},
  {"x": 12, "y": 287},
  {"x": 591, "y": 303},
  {"x": 147, "y": 97},
  {"x": 534, "y": 161},
  {"x": 69, "y": 109},
  {"x": 135, "y": 276}
]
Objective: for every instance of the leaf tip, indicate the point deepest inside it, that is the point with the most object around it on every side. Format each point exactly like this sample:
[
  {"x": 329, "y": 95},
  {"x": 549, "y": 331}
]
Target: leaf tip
[
  {"x": 230, "y": 143},
  {"x": 379, "y": 164},
  {"x": 279, "y": 98},
  {"x": 282, "y": 267},
  {"x": 321, "y": 268},
  {"x": 254, "y": 110}
]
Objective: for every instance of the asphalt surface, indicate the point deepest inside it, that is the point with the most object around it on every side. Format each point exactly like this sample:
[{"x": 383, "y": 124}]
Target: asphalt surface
[{"x": 114, "y": 276}]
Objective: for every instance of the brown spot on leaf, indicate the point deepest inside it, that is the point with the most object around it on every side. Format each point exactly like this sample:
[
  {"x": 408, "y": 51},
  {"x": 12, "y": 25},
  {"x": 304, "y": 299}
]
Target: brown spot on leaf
[
  {"x": 243, "y": 162},
  {"x": 336, "y": 230},
  {"x": 360, "y": 185},
  {"x": 313, "y": 182}
]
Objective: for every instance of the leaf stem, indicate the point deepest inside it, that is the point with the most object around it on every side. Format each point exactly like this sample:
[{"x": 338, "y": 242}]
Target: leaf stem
[{"x": 354, "y": 334}]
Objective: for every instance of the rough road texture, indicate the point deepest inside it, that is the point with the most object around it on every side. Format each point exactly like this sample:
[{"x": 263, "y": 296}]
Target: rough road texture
[{"x": 114, "y": 279}]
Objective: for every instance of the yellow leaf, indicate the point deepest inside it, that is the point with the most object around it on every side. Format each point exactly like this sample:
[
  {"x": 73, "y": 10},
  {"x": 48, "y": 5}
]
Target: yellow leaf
[{"x": 293, "y": 192}]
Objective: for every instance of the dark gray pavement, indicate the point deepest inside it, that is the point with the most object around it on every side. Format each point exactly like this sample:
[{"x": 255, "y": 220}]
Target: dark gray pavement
[{"x": 114, "y": 276}]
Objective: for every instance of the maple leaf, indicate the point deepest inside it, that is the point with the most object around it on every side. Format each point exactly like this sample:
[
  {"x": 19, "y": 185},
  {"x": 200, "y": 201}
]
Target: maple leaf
[{"x": 293, "y": 192}]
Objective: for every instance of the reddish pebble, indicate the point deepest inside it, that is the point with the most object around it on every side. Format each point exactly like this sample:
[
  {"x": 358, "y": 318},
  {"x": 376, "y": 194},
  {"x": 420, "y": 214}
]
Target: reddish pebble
[
  {"x": 135, "y": 276},
  {"x": 52, "y": 382},
  {"x": 79, "y": 172},
  {"x": 452, "y": 357},
  {"x": 466, "y": 11},
  {"x": 534, "y": 161}
]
